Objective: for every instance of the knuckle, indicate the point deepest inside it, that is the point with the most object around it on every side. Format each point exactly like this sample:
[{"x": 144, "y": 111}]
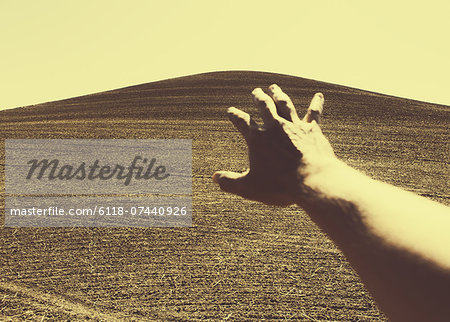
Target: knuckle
[
  {"x": 283, "y": 99},
  {"x": 263, "y": 98}
]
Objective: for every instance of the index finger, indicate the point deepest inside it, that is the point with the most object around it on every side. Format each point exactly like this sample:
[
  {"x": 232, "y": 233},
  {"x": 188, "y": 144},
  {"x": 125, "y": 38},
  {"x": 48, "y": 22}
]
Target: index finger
[
  {"x": 315, "y": 109},
  {"x": 284, "y": 104},
  {"x": 266, "y": 106}
]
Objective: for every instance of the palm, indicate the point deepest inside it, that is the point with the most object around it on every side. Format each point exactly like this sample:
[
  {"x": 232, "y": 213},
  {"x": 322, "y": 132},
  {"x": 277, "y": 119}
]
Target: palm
[{"x": 277, "y": 150}]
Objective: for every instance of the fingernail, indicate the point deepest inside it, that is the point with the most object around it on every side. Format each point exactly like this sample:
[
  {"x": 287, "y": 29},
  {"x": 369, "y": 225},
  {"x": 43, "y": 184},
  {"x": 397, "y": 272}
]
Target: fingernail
[
  {"x": 231, "y": 110},
  {"x": 319, "y": 95},
  {"x": 257, "y": 91},
  {"x": 215, "y": 177},
  {"x": 274, "y": 88}
]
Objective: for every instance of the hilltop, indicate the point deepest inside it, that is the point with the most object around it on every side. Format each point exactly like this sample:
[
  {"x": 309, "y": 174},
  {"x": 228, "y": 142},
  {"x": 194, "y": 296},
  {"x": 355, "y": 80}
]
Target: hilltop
[{"x": 207, "y": 95}]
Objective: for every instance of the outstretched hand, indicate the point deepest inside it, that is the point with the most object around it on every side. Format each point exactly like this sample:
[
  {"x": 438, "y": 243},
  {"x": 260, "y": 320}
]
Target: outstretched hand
[{"x": 282, "y": 152}]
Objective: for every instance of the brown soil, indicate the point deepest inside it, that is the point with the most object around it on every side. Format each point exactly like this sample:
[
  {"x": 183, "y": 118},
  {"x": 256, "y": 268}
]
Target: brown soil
[{"x": 241, "y": 259}]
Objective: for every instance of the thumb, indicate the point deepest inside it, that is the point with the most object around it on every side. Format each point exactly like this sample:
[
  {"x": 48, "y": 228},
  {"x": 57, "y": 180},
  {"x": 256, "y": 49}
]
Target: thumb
[{"x": 230, "y": 181}]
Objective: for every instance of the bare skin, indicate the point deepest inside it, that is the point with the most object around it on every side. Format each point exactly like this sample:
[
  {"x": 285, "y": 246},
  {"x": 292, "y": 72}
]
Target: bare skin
[{"x": 398, "y": 242}]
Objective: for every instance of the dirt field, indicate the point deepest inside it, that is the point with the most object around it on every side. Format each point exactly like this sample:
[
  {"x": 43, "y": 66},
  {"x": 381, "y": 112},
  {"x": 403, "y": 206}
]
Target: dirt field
[{"x": 241, "y": 260}]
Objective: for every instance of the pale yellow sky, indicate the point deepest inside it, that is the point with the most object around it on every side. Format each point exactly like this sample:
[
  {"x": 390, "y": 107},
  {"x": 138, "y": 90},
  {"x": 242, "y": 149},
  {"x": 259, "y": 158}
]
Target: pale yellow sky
[{"x": 58, "y": 49}]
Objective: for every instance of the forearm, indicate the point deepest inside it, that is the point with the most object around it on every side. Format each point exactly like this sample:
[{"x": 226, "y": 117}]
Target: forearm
[{"x": 397, "y": 241}]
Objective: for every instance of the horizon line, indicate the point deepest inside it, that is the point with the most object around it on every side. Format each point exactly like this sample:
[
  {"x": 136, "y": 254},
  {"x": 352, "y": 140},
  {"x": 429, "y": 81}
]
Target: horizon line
[{"x": 220, "y": 71}]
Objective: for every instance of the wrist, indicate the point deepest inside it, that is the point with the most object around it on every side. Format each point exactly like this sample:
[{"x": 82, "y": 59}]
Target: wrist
[
  {"x": 317, "y": 177},
  {"x": 331, "y": 195},
  {"x": 329, "y": 181}
]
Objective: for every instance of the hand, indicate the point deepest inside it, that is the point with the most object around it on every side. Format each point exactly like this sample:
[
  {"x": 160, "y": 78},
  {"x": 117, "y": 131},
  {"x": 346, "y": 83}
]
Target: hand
[{"x": 282, "y": 152}]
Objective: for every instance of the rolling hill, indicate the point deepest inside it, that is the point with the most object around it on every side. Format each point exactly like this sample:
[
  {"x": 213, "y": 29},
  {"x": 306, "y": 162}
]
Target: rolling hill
[{"x": 241, "y": 259}]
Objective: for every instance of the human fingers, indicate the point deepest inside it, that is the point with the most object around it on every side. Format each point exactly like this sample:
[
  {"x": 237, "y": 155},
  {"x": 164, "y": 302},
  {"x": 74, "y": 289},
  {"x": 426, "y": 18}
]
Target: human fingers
[
  {"x": 241, "y": 121},
  {"x": 315, "y": 109},
  {"x": 266, "y": 106},
  {"x": 232, "y": 182},
  {"x": 284, "y": 105}
]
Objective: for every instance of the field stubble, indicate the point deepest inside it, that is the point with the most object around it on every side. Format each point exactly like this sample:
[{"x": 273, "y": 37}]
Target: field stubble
[{"x": 241, "y": 259}]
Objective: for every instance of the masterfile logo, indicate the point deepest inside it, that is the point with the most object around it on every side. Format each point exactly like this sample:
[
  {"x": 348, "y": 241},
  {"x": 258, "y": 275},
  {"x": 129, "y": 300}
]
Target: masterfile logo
[
  {"x": 53, "y": 170},
  {"x": 98, "y": 166}
]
